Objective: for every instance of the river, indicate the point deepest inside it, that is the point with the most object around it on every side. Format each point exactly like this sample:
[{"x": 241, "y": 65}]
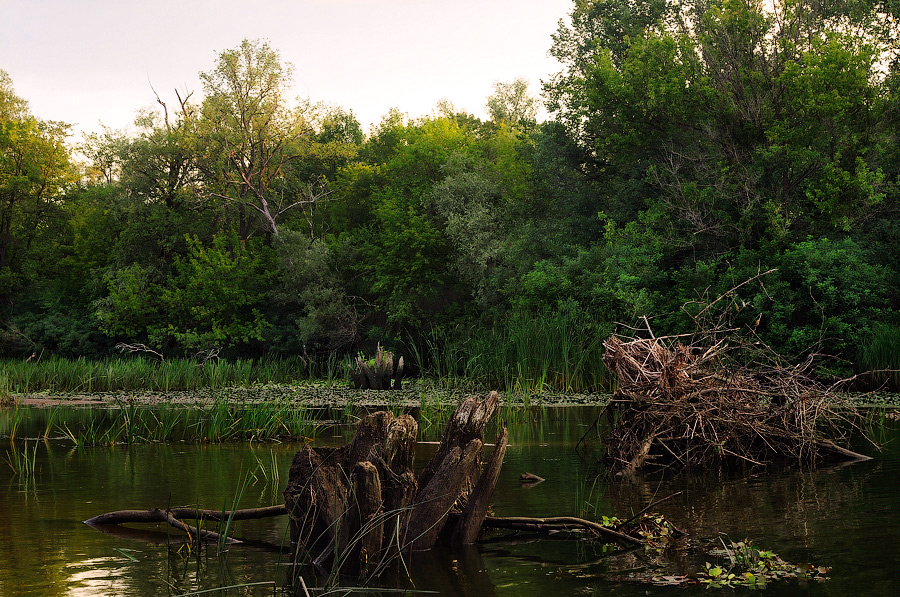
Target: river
[{"x": 846, "y": 518}]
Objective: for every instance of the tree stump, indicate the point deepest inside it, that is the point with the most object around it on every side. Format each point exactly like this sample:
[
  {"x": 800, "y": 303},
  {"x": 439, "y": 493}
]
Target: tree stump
[
  {"x": 354, "y": 506},
  {"x": 379, "y": 373}
]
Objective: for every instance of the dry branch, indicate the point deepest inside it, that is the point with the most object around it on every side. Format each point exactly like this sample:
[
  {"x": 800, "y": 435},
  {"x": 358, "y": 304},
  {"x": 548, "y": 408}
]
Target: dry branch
[
  {"x": 175, "y": 516},
  {"x": 717, "y": 397}
]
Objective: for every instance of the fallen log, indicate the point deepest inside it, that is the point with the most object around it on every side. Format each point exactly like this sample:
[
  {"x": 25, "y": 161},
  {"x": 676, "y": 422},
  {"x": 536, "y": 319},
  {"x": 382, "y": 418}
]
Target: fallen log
[
  {"x": 173, "y": 517},
  {"x": 186, "y": 513},
  {"x": 558, "y": 523}
]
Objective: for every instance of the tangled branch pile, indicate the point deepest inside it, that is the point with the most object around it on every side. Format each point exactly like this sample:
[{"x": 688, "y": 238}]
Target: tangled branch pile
[{"x": 713, "y": 398}]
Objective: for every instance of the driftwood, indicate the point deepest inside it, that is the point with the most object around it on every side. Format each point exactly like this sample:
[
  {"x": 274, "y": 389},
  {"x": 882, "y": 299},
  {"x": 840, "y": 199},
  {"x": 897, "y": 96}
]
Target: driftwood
[
  {"x": 175, "y": 516},
  {"x": 717, "y": 398},
  {"x": 356, "y": 507},
  {"x": 559, "y": 523}
]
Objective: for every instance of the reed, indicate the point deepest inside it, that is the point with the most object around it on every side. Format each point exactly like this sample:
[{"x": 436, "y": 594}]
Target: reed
[
  {"x": 22, "y": 462},
  {"x": 221, "y": 420},
  {"x": 525, "y": 355},
  {"x": 135, "y": 373},
  {"x": 882, "y": 355},
  {"x": 10, "y": 421}
]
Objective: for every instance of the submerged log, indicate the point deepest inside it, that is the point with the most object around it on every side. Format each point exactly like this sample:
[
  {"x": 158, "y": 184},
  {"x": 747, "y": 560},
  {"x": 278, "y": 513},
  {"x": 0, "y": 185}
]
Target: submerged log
[{"x": 174, "y": 517}]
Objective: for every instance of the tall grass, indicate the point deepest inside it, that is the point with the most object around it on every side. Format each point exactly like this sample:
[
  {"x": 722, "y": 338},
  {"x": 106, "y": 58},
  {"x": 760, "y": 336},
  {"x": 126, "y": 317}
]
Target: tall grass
[
  {"x": 882, "y": 355},
  {"x": 22, "y": 463},
  {"x": 139, "y": 373},
  {"x": 553, "y": 351},
  {"x": 219, "y": 421}
]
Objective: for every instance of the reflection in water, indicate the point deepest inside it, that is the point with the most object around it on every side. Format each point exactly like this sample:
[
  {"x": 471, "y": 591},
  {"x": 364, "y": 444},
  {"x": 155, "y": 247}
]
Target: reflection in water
[
  {"x": 844, "y": 517},
  {"x": 97, "y": 576}
]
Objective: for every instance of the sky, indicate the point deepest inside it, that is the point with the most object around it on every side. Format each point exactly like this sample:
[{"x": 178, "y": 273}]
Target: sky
[{"x": 90, "y": 61}]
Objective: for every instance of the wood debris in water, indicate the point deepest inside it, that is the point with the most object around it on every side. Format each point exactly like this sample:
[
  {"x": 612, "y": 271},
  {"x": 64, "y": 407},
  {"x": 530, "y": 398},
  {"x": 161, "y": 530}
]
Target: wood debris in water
[{"x": 715, "y": 398}]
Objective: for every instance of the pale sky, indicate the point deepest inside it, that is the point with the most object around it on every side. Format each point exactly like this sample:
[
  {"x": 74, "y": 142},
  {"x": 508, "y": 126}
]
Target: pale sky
[{"x": 91, "y": 61}]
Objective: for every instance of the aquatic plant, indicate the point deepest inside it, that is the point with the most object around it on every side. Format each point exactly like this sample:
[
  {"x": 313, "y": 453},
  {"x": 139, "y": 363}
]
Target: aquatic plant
[
  {"x": 23, "y": 463},
  {"x": 751, "y": 567},
  {"x": 133, "y": 373},
  {"x": 881, "y": 355}
]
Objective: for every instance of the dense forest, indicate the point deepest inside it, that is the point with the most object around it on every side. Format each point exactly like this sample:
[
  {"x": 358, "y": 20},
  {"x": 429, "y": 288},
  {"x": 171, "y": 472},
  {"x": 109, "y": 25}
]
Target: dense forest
[{"x": 690, "y": 145}]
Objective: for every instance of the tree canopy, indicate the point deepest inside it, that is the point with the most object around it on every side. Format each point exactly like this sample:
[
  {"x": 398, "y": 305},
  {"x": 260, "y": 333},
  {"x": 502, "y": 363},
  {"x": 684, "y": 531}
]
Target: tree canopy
[{"x": 690, "y": 145}]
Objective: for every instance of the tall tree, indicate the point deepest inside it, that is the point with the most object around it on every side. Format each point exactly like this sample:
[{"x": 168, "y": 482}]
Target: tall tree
[
  {"x": 721, "y": 132},
  {"x": 251, "y": 133},
  {"x": 34, "y": 171},
  {"x": 511, "y": 103}
]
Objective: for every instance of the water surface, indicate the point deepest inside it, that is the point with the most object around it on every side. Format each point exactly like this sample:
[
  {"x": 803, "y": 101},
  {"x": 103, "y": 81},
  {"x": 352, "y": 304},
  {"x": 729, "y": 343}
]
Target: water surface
[{"x": 846, "y": 518}]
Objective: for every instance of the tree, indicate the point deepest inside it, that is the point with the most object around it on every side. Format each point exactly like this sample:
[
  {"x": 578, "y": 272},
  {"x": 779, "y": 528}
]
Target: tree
[
  {"x": 34, "y": 172},
  {"x": 724, "y": 132},
  {"x": 160, "y": 163},
  {"x": 511, "y": 103},
  {"x": 214, "y": 297},
  {"x": 251, "y": 134}
]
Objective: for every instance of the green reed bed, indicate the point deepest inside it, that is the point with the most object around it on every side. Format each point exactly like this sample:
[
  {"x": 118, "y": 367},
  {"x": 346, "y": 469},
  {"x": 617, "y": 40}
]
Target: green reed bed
[
  {"x": 139, "y": 373},
  {"x": 882, "y": 355},
  {"x": 219, "y": 421},
  {"x": 526, "y": 354}
]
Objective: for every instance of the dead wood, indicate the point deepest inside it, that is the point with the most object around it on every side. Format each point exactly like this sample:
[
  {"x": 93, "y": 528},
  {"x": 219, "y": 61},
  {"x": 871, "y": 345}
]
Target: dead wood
[
  {"x": 436, "y": 499},
  {"x": 186, "y": 513},
  {"x": 357, "y": 506},
  {"x": 718, "y": 396},
  {"x": 172, "y": 518},
  {"x": 357, "y": 519},
  {"x": 558, "y": 523},
  {"x": 527, "y": 477},
  {"x": 469, "y": 525},
  {"x": 466, "y": 423},
  {"x": 365, "y": 518},
  {"x": 381, "y": 373}
]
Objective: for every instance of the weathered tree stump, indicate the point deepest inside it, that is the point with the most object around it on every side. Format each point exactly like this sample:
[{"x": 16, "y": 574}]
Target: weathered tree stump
[
  {"x": 379, "y": 373},
  {"x": 356, "y": 505}
]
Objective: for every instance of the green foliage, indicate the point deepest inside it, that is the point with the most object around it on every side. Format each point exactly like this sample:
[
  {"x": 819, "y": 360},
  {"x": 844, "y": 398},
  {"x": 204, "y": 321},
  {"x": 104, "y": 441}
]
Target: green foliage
[
  {"x": 316, "y": 307},
  {"x": 217, "y": 293},
  {"x": 692, "y": 145},
  {"x": 827, "y": 294},
  {"x": 34, "y": 173},
  {"x": 751, "y": 567},
  {"x": 214, "y": 297}
]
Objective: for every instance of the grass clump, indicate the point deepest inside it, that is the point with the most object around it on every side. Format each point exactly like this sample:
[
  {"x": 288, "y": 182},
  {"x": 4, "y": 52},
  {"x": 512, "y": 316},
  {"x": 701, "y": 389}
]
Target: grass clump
[{"x": 882, "y": 356}]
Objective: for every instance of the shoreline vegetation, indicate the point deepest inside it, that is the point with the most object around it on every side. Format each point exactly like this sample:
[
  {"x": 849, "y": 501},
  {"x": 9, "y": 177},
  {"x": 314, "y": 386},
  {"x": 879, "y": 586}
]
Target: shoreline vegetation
[{"x": 239, "y": 222}]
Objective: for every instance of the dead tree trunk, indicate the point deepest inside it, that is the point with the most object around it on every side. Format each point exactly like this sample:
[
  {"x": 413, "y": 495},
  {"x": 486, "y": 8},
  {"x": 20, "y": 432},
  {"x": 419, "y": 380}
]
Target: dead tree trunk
[
  {"x": 359, "y": 504},
  {"x": 380, "y": 373}
]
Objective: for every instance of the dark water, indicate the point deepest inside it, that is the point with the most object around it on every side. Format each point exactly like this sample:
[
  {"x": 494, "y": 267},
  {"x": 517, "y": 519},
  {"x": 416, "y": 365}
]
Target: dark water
[{"x": 847, "y": 518}]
